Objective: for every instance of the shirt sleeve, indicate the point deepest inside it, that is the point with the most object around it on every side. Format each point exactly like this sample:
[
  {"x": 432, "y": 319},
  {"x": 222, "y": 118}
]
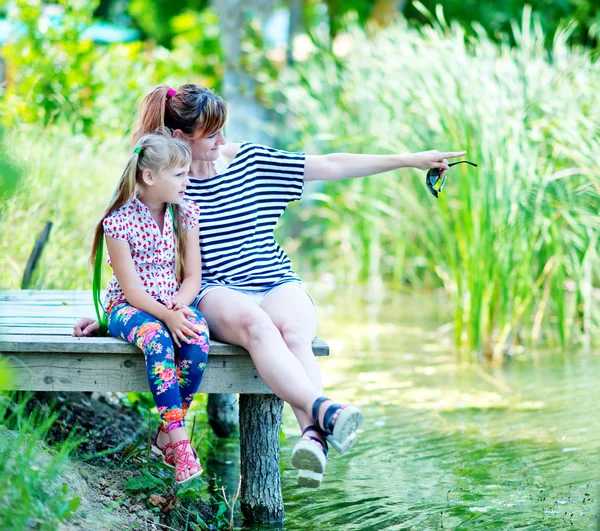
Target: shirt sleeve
[
  {"x": 190, "y": 215},
  {"x": 115, "y": 226},
  {"x": 281, "y": 171}
]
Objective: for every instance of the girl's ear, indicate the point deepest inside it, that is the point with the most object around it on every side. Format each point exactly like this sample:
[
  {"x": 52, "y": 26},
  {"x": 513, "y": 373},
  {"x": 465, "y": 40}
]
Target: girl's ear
[
  {"x": 178, "y": 133},
  {"x": 148, "y": 177}
]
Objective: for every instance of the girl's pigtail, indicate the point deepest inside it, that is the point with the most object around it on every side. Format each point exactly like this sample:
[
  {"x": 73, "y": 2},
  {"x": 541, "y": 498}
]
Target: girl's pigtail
[
  {"x": 179, "y": 241},
  {"x": 123, "y": 193}
]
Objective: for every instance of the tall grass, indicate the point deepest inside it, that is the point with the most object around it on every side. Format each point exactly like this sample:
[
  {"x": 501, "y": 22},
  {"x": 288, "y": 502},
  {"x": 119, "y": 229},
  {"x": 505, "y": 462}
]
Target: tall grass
[
  {"x": 67, "y": 179},
  {"x": 31, "y": 493},
  {"x": 514, "y": 242}
]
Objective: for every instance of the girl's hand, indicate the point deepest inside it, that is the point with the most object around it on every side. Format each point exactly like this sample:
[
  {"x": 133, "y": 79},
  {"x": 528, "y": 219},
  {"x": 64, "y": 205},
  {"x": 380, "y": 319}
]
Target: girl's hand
[
  {"x": 181, "y": 329},
  {"x": 425, "y": 160},
  {"x": 174, "y": 304},
  {"x": 85, "y": 327}
]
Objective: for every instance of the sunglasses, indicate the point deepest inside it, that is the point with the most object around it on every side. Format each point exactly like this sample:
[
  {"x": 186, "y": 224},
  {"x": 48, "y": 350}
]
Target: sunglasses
[{"x": 435, "y": 183}]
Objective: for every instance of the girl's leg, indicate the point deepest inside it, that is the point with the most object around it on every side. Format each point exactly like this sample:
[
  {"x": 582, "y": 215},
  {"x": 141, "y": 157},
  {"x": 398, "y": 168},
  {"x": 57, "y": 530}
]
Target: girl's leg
[
  {"x": 191, "y": 362},
  {"x": 154, "y": 339}
]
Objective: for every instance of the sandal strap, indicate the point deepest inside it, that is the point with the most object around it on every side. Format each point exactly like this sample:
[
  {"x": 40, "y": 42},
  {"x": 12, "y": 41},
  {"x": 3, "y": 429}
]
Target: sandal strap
[
  {"x": 328, "y": 422},
  {"x": 315, "y": 409},
  {"x": 317, "y": 440},
  {"x": 169, "y": 453},
  {"x": 312, "y": 427},
  {"x": 185, "y": 458}
]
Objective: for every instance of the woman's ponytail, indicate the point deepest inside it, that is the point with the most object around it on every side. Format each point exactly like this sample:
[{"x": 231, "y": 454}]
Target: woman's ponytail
[{"x": 151, "y": 115}]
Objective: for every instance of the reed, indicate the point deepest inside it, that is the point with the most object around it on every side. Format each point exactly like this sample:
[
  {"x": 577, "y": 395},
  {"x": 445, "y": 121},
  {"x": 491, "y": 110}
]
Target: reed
[{"x": 512, "y": 243}]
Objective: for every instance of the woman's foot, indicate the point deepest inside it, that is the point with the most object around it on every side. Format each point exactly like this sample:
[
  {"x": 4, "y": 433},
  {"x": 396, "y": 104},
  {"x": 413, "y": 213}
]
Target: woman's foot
[
  {"x": 187, "y": 466},
  {"x": 162, "y": 448},
  {"x": 309, "y": 456},
  {"x": 337, "y": 423}
]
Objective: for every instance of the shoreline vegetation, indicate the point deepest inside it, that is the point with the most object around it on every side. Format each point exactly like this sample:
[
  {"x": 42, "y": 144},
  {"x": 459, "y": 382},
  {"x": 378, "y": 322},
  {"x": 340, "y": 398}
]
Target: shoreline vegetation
[
  {"x": 511, "y": 244},
  {"x": 510, "y": 249}
]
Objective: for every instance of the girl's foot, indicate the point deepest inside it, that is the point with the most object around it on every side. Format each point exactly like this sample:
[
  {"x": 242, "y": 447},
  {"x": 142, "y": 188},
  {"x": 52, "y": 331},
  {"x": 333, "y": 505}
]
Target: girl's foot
[
  {"x": 162, "y": 448},
  {"x": 187, "y": 466},
  {"x": 309, "y": 456},
  {"x": 337, "y": 423}
]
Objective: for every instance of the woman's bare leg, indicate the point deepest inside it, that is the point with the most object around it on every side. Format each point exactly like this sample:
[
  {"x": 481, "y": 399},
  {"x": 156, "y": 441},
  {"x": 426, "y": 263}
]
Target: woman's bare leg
[
  {"x": 235, "y": 319},
  {"x": 295, "y": 316}
]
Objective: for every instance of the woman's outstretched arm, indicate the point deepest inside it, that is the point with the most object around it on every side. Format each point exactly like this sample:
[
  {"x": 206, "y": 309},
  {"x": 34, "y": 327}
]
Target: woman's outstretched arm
[{"x": 336, "y": 166}]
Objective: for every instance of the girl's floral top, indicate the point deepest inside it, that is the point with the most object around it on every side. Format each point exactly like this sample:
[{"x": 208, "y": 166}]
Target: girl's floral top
[{"x": 153, "y": 252}]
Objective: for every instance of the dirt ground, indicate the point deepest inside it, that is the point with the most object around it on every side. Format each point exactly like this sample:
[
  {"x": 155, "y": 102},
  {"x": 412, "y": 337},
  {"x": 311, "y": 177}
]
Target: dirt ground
[{"x": 100, "y": 468}]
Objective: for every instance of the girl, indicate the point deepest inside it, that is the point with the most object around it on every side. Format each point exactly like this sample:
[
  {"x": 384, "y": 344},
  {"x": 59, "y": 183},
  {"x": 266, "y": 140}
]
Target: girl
[
  {"x": 250, "y": 295},
  {"x": 151, "y": 234}
]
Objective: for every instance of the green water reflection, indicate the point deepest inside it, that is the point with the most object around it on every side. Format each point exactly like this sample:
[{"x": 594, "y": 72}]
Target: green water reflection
[{"x": 448, "y": 446}]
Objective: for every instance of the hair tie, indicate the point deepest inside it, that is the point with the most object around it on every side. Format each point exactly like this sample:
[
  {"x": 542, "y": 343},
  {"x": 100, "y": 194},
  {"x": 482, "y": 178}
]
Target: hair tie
[
  {"x": 171, "y": 93},
  {"x": 137, "y": 150}
]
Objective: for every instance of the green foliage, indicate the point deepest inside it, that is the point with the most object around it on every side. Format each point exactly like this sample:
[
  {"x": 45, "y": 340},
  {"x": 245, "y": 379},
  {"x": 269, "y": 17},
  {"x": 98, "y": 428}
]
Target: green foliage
[
  {"x": 5, "y": 375},
  {"x": 496, "y": 16},
  {"x": 31, "y": 493},
  {"x": 155, "y": 16},
  {"x": 57, "y": 77},
  {"x": 145, "y": 482},
  {"x": 65, "y": 167},
  {"x": 49, "y": 66},
  {"x": 9, "y": 174},
  {"x": 513, "y": 243}
]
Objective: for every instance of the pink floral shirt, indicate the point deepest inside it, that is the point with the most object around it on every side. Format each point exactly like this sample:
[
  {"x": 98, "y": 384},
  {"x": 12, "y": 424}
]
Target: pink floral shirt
[{"x": 153, "y": 253}]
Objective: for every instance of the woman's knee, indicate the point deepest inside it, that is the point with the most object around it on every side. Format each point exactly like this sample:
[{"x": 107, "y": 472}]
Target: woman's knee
[
  {"x": 255, "y": 325},
  {"x": 296, "y": 336}
]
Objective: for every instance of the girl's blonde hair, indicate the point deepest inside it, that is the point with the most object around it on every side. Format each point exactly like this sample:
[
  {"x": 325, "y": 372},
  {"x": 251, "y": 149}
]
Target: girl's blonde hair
[
  {"x": 191, "y": 108},
  {"x": 155, "y": 152}
]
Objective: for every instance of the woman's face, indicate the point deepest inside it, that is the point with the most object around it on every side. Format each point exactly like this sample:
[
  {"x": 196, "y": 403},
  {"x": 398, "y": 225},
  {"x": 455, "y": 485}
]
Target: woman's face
[{"x": 206, "y": 148}]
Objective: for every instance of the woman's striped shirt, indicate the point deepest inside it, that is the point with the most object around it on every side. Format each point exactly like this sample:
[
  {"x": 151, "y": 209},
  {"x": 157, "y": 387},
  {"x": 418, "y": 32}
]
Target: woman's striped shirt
[{"x": 239, "y": 209}]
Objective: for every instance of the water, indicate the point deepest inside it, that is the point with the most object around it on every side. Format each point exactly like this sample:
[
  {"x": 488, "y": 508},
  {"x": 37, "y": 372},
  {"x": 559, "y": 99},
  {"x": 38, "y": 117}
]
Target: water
[{"x": 445, "y": 445}]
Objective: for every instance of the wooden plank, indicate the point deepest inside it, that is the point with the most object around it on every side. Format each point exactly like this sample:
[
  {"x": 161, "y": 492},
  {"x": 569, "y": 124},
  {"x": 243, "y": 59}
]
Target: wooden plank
[
  {"x": 38, "y": 319},
  {"x": 109, "y": 345},
  {"x": 50, "y": 329},
  {"x": 24, "y": 294},
  {"x": 35, "y": 328},
  {"x": 37, "y": 371}
]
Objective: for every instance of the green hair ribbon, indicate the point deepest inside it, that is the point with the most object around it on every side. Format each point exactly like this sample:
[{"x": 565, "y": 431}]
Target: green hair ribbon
[
  {"x": 96, "y": 286},
  {"x": 137, "y": 150}
]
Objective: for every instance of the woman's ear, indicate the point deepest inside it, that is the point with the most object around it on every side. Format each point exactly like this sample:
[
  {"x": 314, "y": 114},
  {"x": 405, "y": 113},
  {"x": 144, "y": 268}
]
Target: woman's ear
[{"x": 148, "y": 177}]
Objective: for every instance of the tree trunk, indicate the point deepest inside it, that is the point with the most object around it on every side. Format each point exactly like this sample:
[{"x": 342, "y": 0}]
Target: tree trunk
[
  {"x": 296, "y": 8},
  {"x": 260, "y": 422},
  {"x": 247, "y": 116},
  {"x": 223, "y": 414}
]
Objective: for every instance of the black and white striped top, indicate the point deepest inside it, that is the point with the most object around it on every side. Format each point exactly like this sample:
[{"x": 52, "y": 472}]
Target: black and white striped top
[{"x": 239, "y": 209}]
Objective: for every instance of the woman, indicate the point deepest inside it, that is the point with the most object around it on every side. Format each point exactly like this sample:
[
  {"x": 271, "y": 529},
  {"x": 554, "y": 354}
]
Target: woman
[{"x": 250, "y": 295}]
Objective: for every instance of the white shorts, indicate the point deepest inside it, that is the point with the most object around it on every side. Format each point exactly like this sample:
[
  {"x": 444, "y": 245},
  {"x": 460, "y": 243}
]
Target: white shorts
[{"x": 255, "y": 296}]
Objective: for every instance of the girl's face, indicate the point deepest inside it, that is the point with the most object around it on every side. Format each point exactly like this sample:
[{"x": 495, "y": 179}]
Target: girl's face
[
  {"x": 206, "y": 148},
  {"x": 168, "y": 185}
]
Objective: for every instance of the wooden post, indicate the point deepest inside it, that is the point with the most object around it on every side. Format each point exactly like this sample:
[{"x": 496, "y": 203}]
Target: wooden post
[
  {"x": 260, "y": 422},
  {"x": 223, "y": 413}
]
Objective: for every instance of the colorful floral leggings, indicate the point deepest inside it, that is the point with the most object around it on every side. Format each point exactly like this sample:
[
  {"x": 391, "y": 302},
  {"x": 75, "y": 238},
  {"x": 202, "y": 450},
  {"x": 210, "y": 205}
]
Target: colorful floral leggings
[{"x": 174, "y": 373}]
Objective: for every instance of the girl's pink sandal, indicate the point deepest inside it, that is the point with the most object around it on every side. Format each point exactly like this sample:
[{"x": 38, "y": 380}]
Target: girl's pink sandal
[
  {"x": 167, "y": 453},
  {"x": 185, "y": 460}
]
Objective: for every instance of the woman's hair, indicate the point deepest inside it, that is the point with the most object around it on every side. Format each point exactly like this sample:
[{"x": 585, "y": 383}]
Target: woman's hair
[
  {"x": 155, "y": 152},
  {"x": 191, "y": 108}
]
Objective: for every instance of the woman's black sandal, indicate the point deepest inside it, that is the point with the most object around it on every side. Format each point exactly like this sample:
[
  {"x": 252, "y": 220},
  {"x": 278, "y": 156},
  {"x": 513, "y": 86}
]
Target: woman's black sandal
[
  {"x": 341, "y": 431},
  {"x": 309, "y": 456}
]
